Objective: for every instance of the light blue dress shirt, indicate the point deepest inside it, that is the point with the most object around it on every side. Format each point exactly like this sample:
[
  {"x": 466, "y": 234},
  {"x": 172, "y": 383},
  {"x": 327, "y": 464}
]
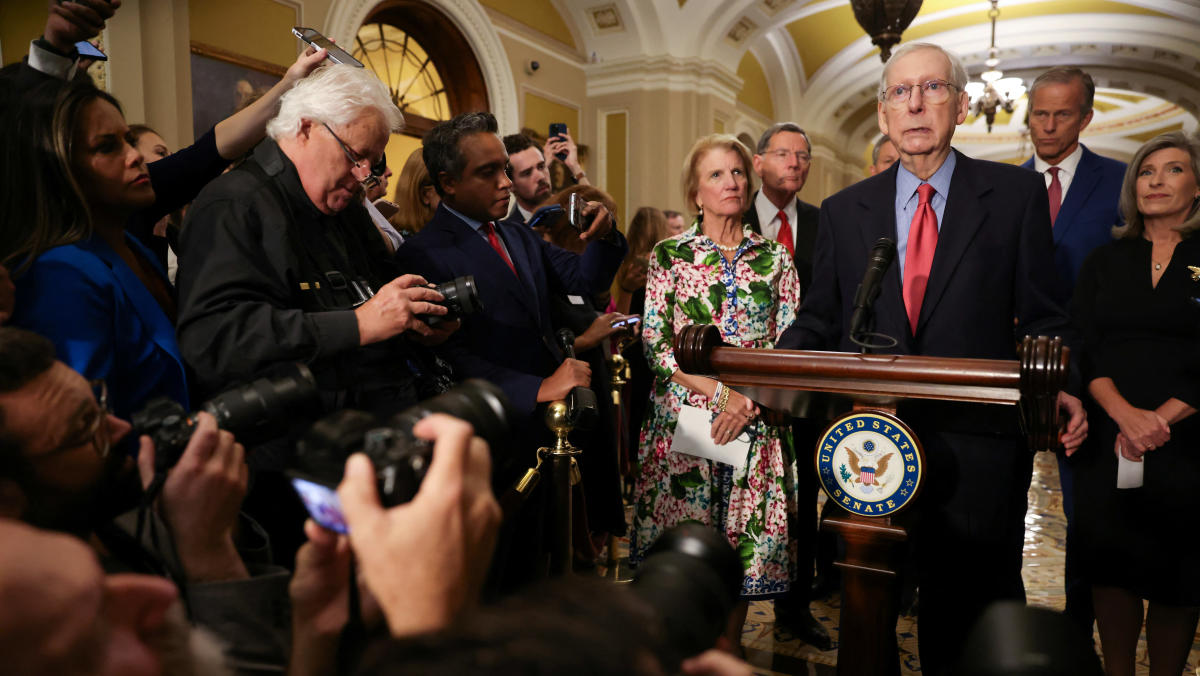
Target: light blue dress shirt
[{"x": 907, "y": 200}]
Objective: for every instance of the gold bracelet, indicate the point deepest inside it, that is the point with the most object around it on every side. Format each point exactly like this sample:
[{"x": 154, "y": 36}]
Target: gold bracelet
[{"x": 724, "y": 400}]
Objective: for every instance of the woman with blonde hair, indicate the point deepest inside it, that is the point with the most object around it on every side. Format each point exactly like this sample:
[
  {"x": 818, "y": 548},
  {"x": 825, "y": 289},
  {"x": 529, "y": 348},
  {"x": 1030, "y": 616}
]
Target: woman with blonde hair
[
  {"x": 718, "y": 272},
  {"x": 1137, "y": 308},
  {"x": 415, "y": 195}
]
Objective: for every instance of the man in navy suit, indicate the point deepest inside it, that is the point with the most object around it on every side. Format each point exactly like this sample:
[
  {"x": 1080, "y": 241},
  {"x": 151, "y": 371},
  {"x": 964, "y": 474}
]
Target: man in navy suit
[
  {"x": 1060, "y": 108},
  {"x": 1083, "y": 188},
  {"x": 510, "y": 342},
  {"x": 974, "y": 252}
]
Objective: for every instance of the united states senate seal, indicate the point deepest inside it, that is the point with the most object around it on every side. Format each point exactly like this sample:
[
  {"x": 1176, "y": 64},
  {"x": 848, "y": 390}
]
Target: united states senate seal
[{"x": 870, "y": 463}]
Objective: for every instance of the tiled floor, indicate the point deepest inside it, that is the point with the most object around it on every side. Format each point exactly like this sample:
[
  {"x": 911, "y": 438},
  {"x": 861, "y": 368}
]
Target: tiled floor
[{"x": 773, "y": 652}]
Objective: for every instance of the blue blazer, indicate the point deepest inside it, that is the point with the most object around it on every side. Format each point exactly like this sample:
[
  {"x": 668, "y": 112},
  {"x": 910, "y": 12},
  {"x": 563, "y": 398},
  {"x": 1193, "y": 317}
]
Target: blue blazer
[
  {"x": 103, "y": 321},
  {"x": 511, "y": 341},
  {"x": 1087, "y": 216}
]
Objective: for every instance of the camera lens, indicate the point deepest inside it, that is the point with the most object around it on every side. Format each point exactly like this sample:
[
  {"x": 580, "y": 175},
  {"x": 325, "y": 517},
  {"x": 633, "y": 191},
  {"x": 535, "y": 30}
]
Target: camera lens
[
  {"x": 461, "y": 299},
  {"x": 265, "y": 400},
  {"x": 477, "y": 401},
  {"x": 693, "y": 578}
]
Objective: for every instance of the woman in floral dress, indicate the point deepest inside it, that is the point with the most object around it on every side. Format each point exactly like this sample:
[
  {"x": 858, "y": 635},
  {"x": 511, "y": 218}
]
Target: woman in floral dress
[{"x": 718, "y": 272}]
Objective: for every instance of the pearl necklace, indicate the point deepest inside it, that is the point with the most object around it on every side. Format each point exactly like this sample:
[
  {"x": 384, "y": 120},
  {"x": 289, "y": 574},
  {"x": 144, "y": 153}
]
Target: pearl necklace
[
  {"x": 1158, "y": 266},
  {"x": 726, "y": 249}
]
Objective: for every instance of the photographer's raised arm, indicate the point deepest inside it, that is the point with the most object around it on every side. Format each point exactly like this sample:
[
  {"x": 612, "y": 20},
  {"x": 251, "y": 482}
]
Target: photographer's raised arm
[{"x": 425, "y": 560}]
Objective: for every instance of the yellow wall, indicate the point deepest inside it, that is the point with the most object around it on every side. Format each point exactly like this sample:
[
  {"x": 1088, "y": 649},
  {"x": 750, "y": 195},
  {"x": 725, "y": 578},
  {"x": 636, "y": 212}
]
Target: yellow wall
[
  {"x": 540, "y": 112},
  {"x": 20, "y": 22},
  {"x": 616, "y": 132},
  {"x": 539, "y": 15},
  {"x": 756, "y": 91},
  {"x": 260, "y": 29}
]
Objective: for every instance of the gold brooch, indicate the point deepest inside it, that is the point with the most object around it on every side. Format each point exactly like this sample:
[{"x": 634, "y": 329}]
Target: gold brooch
[{"x": 1195, "y": 272}]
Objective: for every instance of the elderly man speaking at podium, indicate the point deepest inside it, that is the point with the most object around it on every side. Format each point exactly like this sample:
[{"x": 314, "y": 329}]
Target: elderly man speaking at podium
[{"x": 974, "y": 254}]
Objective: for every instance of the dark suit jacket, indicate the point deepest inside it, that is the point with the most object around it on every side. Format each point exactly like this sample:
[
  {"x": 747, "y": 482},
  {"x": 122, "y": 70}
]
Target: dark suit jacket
[
  {"x": 1087, "y": 215},
  {"x": 510, "y": 342},
  {"x": 804, "y": 237},
  {"x": 993, "y": 263}
]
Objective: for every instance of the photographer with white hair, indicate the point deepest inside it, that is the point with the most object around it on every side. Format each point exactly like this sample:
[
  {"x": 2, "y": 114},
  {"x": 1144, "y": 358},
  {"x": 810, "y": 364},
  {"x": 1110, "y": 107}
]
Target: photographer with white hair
[{"x": 279, "y": 262}]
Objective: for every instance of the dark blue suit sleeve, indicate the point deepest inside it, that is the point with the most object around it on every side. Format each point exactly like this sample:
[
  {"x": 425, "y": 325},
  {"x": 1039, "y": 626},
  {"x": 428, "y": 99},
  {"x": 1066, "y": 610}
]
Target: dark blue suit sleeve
[{"x": 818, "y": 324}]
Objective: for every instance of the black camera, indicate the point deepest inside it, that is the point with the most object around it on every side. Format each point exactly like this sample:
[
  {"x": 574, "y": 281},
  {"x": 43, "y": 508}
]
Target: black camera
[
  {"x": 461, "y": 299},
  {"x": 399, "y": 458},
  {"x": 692, "y": 578},
  {"x": 257, "y": 410}
]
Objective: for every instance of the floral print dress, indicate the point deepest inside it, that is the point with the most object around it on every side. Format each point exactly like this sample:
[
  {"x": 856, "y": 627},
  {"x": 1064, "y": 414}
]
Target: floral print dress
[{"x": 752, "y": 299}]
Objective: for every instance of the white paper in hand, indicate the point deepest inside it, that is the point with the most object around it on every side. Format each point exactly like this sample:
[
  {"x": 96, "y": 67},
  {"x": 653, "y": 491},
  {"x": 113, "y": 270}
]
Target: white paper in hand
[
  {"x": 1129, "y": 473},
  {"x": 693, "y": 436}
]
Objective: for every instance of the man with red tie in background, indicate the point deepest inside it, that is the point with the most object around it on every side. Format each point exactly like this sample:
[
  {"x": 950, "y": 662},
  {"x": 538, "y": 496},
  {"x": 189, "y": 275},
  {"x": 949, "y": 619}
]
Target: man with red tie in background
[
  {"x": 782, "y": 160},
  {"x": 973, "y": 253},
  {"x": 1083, "y": 188}
]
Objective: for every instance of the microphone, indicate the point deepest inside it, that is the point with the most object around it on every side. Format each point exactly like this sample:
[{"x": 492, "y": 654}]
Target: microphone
[
  {"x": 581, "y": 401},
  {"x": 882, "y": 255}
]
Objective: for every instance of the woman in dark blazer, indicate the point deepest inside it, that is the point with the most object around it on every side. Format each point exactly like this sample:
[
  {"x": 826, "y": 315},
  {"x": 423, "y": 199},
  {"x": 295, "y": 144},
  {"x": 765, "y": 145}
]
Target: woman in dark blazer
[
  {"x": 1137, "y": 307},
  {"x": 74, "y": 184}
]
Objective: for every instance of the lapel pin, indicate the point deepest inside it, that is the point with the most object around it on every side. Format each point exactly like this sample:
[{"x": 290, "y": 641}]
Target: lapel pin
[{"x": 1195, "y": 272}]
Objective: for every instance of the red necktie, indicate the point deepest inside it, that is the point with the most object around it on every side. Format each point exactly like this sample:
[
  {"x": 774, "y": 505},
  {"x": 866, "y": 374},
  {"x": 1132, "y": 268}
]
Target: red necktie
[
  {"x": 495, "y": 242},
  {"x": 918, "y": 256},
  {"x": 1055, "y": 193},
  {"x": 785, "y": 233}
]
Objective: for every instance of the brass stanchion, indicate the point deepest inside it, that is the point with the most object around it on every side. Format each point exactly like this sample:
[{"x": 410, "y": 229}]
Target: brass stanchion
[{"x": 564, "y": 473}]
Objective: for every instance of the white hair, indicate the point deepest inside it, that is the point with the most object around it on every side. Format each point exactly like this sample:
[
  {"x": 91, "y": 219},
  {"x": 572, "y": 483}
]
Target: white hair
[
  {"x": 335, "y": 94},
  {"x": 958, "y": 73}
]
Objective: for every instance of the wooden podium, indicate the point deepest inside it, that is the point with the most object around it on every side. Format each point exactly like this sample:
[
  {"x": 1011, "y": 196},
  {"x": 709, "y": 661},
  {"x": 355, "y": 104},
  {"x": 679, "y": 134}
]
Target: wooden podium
[{"x": 861, "y": 391}]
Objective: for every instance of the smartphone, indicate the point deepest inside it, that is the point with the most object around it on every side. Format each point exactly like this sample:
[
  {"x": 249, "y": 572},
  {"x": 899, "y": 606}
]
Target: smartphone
[
  {"x": 332, "y": 52},
  {"x": 558, "y": 129},
  {"x": 322, "y": 504},
  {"x": 544, "y": 216},
  {"x": 575, "y": 211},
  {"x": 89, "y": 51},
  {"x": 630, "y": 322},
  {"x": 386, "y": 207}
]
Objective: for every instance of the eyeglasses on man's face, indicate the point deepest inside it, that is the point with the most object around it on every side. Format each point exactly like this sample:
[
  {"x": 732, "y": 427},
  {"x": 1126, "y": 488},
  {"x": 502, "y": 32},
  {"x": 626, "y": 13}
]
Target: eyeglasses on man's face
[
  {"x": 95, "y": 429},
  {"x": 782, "y": 155},
  {"x": 932, "y": 91},
  {"x": 359, "y": 163}
]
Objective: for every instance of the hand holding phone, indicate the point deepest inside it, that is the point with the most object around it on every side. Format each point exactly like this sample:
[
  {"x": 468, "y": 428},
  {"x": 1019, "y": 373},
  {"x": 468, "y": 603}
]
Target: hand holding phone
[
  {"x": 332, "y": 52},
  {"x": 89, "y": 51},
  {"x": 558, "y": 130}
]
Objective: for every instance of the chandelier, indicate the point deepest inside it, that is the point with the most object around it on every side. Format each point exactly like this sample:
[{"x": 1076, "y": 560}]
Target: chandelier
[
  {"x": 885, "y": 21},
  {"x": 994, "y": 91}
]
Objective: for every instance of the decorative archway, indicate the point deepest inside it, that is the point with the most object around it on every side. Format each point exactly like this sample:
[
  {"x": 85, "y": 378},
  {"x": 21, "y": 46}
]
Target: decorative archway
[{"x": 453, "y": 31}]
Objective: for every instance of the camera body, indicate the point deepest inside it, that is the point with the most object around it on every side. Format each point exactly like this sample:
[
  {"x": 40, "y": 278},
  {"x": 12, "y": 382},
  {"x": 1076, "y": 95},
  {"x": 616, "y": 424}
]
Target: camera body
[
  {"x": 461, "y": 298},
  {"x": 255, "y": 409},
  {"x": 400, "y": 459}
]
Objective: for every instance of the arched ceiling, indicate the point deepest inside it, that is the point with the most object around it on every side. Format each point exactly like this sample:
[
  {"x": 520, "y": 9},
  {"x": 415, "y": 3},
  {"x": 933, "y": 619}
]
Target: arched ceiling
[{"x": 823, "y": 71}]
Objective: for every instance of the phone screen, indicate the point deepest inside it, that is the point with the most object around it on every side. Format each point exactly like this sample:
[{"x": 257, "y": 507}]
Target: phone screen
[
  {"x": 89, "y": 51},
  {"x": 332, "y": 52},
  {"x": 630, "y": 321},
  {"x": 322, "y": 504}
]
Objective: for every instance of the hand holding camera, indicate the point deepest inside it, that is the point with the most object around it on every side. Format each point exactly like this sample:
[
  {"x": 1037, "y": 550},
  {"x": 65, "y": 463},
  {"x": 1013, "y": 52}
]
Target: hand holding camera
[
  {"x": 201, "y": 498},
  {"x": 396, "y": 307},
  {"x": 425, "y": 560}
]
